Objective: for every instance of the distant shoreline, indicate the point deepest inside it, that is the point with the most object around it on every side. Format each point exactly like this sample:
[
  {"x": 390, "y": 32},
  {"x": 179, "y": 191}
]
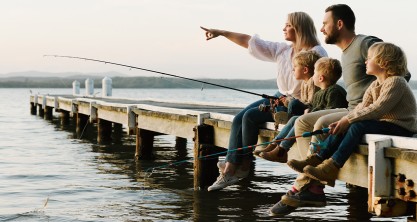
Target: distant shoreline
[
  {"x": 141, "y": 82},
  {"x": 132, "y": 82}
]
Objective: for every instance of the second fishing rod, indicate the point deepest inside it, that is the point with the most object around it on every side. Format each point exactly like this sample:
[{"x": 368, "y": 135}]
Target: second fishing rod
[{"x": 163, "y": 73}]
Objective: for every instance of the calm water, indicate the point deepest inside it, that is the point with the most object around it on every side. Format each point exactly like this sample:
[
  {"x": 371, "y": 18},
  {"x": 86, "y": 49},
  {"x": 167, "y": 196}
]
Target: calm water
[{"x": 48, "y": 174}]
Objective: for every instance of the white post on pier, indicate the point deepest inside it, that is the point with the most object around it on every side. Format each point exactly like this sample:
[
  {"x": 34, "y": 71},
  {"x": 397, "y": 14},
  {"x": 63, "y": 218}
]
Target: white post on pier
[
  {"x": 107, "y": 87},
  {"x": 379, "y": 172},
  {"x": 75, "y": 87},
  {"x": 89, "y": 87}
]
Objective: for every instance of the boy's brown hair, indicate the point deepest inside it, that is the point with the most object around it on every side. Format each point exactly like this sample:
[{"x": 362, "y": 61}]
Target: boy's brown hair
[
  {"x": 307, "y": 59},
  {"x": 330, "y": 68}
]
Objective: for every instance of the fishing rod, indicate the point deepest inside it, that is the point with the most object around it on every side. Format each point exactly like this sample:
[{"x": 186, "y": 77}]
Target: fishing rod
[
  {"x": 305, "y": 134},
  {"x": 163, "y": 73}
]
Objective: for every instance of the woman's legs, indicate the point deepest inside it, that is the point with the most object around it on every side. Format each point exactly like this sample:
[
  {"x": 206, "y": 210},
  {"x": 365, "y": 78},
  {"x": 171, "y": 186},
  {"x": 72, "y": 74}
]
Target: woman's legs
[{"x": 244, "y": 132}]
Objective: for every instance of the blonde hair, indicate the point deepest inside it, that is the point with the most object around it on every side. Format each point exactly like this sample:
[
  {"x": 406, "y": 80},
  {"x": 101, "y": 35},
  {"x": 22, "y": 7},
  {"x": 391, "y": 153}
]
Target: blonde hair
[
  {"x": 305, "y": 31},
  {"x": 307, "y": 59},
  {"x": 330, "y": 68},
  {"x": 390, "y": 57}
]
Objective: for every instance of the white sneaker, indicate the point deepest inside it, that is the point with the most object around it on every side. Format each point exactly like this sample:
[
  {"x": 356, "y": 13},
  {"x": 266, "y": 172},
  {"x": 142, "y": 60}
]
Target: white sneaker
[
  {"x": 223, "y": 181},
  {"x": 239, "y": 173}
]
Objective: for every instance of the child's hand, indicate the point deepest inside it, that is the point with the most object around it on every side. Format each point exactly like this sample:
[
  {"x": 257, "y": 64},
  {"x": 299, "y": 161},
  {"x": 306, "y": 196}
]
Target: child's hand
[
  {"x": 283, "y": 100},
  {"x": 340, "y": 126}
]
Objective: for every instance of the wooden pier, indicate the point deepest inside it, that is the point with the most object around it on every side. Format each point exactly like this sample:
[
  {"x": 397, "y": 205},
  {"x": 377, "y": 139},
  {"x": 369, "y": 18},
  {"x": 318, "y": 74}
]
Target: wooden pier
[{"x": 386, "y": 165}]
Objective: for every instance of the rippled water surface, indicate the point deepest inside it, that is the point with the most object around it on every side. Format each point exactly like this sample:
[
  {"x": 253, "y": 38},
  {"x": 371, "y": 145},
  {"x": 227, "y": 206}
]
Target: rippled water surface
[{"x": 49, "y": 173}]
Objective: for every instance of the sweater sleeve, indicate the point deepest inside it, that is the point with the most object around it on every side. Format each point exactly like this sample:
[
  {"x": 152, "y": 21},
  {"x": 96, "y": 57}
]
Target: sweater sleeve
[
  {"x": 374, "y": 106},
  {"x": 265, "y": 50}
]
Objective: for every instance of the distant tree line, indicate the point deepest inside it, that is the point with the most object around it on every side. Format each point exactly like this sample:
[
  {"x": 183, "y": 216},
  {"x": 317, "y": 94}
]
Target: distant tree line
[
  {"x": 140, "y": 82},
  {"x": 133, "y": 82}
]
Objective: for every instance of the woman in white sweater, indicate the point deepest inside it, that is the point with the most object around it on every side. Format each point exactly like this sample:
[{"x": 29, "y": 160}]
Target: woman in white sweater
[{"x": 300, "y": 31}]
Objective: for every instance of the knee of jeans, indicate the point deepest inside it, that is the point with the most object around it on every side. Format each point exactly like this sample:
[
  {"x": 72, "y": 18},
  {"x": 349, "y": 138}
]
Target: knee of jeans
[
  {"x": 251, "y": 115},
  {"x": 357, "y": 127},
  {"x": 320, "y": 124},
  {"x": 300, "y": 124}
]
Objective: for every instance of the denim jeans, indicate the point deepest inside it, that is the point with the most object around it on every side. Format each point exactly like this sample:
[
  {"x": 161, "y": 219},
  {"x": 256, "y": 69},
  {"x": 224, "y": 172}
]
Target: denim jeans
[
  {"x": 245, "y": 130},
  {"x": 286, "y": 132},
  {"x": 296, "y": 108},
  {"x": 340, "y": 147}
]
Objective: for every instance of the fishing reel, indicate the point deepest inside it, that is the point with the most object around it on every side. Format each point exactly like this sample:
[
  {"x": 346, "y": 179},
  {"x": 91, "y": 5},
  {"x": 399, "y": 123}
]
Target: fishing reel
[
  {"x": 273, "y": 105},
  {"x": 315, "y": 147},
  {"x": 265, "y": 108}
]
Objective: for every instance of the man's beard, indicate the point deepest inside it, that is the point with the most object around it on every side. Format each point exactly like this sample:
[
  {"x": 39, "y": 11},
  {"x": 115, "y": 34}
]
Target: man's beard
[{"x": 332, "y": 37}]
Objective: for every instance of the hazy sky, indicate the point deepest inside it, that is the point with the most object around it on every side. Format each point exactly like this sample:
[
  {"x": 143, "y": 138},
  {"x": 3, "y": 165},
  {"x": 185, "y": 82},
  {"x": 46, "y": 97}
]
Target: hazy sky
[{"x": 164, "y": 34}]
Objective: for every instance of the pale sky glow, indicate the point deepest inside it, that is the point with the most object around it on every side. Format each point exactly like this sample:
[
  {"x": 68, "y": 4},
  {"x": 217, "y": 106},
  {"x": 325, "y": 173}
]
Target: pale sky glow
[{"x": 164, "y": 34}]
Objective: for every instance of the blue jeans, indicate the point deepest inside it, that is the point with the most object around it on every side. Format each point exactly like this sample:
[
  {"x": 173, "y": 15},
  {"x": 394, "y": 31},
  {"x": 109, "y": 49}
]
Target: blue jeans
[
  {"x": 245, "y": 130},
  {"x": 286, "y": 132},
  {"x": 340, "y": 147},
  {"x": 296, "y": 108}
]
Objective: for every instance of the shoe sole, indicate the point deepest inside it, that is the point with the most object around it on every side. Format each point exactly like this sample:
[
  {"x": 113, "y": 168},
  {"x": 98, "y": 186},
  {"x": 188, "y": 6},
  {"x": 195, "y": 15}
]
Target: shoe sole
[
  {"x": 278, "y": 215},
  {"x": 297, "y": 203},
  {"x": 276, "y": 161},
  {"x": 226, "y": 185},
  {"x": 288, "y": 163}
]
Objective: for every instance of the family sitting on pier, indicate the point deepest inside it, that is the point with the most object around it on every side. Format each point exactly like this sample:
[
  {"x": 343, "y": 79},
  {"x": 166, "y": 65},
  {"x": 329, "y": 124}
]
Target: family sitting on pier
[{"x": 379, "y": 101}]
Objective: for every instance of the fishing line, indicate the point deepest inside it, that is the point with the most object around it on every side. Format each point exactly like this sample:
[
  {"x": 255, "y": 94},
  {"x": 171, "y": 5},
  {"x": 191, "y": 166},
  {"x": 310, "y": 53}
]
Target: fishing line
[
  {"x": 305, "y": 134},
  {"x": 163, "y": 73},
  {"x": 82, "y": 132}
]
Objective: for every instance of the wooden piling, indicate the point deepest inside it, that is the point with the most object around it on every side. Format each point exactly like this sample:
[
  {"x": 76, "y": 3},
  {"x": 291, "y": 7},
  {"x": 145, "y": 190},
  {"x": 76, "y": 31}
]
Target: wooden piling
[
  {"x": 81, "y": 124},
  {"x": 205, "y": 169},
  {"x": 65, "y": 117},
  {"x": 48, "y": 112},
  {"x": 144, "y": 144},
  {"x": 117, "y": 132},
  {"x": 41, "y": 111},
  {"x": 104, "y": 130},
  {"x": 33, "y": 108}
]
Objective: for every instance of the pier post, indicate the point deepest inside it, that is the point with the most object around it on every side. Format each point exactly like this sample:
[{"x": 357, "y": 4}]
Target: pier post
[
  {"x": 144, "y": 144},
  {"x": 89, "y": 87},
  {"x": 75, "y": 88},
  {"x": 65, "y": 115},
  {"x": 107, "y": 87},
  {"x": 180, "y": 143},
  {"x": 33, "y": 108},
  {"x": 181, "y": 146},
  {"x": 48, "y": 113},
  {"x": 81, "y": 124},
  {"x": 41, "y": 111},
  {"x": 205, "y": 169},
  {"x": 117, "y": 132},
  {"x": 104, "y": 129},
  {"x": 380, "y": 196}
]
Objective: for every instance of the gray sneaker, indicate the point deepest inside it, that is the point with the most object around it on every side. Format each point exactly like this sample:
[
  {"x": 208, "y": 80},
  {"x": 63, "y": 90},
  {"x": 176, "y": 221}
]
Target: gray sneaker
[
  {"x": 281, "y": 209},
  {"x": 223, "y": 181},
  {"x": 239, "y": 173},
  {"x": 305, "y": 198}
]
